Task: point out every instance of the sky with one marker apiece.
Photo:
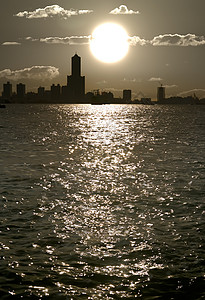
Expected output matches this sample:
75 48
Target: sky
166 37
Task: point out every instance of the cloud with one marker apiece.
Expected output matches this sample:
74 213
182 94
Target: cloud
35 72
159 80
80 40
29 38
199 92
155 79
101 82
131 80
11 44
110 89
123 10
84 11
136 40
71 40
169 40
178 40
52 11
167 86
160 40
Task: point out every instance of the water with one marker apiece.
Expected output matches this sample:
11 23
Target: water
102 202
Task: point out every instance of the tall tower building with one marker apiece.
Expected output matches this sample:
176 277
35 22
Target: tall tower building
55 91
7 90
21 90
41 91
160 93
127 95
76 66
76 82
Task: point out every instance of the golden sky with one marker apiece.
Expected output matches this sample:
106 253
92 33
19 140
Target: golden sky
166 44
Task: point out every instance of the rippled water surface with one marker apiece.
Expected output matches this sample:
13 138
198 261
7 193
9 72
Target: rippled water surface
102 202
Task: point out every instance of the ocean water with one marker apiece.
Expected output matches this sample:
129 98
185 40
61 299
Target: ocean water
102 202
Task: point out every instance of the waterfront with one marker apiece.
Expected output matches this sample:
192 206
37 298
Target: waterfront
102 202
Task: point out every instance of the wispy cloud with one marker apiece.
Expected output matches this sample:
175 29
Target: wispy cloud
160 80
101 82
199 92
34 72
82 39
84 11
155 79
30 39
170 86
111 89
131 80
160 40
123 10
71 40
178 40
52 11
11 44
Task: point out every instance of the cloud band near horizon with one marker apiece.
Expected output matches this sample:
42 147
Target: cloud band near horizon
34 72
72 40
176 39
160 40
169 39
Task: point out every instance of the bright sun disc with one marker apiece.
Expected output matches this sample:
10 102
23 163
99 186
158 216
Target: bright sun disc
109 43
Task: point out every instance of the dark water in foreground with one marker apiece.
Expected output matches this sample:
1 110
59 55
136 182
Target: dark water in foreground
102 202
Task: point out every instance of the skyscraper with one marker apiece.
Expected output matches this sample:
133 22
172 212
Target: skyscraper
41 91
76 65
127 95
7 90
76 82
21 90
160 93
55 91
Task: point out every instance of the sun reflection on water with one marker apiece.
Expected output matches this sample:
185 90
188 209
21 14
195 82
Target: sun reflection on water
100 204
103 214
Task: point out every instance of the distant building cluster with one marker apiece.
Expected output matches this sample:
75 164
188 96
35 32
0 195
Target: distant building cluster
7 91
74 92
161 99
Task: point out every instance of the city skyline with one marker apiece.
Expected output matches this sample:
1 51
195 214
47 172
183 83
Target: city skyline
166 45
74 92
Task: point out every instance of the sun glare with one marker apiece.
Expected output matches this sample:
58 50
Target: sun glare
109 42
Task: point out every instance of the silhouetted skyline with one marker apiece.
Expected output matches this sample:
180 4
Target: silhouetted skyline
167 41
74 92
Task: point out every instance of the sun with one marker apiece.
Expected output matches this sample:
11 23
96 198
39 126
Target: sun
109 42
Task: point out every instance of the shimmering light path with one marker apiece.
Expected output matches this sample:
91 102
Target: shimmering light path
105 202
